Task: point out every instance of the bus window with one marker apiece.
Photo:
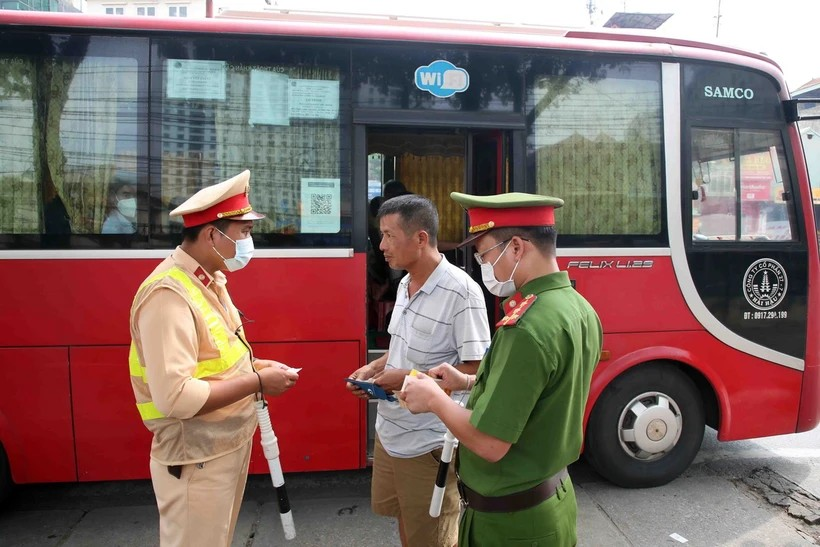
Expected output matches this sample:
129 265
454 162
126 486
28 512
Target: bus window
596 142
740 201
765 215
69 147
714 179
275 111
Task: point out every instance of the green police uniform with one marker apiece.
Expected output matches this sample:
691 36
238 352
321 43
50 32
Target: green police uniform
531 391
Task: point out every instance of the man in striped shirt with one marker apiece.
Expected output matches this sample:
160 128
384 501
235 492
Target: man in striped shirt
439 317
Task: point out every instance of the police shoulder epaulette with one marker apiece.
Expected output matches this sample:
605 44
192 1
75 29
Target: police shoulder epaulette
515 310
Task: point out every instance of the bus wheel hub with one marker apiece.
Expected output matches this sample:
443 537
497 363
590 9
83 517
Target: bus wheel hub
656 430
650 426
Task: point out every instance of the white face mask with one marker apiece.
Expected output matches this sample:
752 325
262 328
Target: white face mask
496 287
243 255
128 208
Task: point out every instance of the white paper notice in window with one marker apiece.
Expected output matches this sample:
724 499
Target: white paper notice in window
318 99
269 98
320 206
195 79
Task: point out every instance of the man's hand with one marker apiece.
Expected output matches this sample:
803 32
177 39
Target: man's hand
420 392
391 379
451 378
276 377
364 373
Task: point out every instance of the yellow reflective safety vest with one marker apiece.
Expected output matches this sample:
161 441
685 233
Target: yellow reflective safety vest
221 355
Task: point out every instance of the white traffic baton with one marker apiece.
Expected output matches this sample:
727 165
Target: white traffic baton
450 443
270 446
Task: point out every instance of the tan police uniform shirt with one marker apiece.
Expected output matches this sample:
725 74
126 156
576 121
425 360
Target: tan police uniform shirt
171 337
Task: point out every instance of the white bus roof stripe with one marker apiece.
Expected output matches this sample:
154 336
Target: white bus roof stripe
81 254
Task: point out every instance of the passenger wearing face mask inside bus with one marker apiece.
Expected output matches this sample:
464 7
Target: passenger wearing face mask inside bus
122 210
523 424
193 373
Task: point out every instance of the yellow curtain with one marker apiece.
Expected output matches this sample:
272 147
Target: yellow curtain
597 145
435 177
608 186
20 193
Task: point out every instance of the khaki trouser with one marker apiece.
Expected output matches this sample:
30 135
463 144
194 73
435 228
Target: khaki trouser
200 507
402 488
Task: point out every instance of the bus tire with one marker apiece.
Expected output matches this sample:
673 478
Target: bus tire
646 427
5 476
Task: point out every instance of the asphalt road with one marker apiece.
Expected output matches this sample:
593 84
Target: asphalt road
747 493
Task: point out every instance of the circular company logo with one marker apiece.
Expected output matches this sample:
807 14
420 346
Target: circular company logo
765 284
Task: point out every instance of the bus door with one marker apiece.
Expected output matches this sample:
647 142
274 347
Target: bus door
432 162
746 242
488 172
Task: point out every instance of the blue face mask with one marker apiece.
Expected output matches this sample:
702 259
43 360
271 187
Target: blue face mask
243 255
128 208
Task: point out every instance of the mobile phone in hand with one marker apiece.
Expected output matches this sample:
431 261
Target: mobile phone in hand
375 391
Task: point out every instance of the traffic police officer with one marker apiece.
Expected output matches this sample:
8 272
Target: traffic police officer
523 423
193 374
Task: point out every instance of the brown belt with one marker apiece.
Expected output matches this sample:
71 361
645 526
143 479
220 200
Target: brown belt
517 501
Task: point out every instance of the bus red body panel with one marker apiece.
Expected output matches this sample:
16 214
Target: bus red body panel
319 425
276 294
631 294
113 444
754 397
647 320
35 406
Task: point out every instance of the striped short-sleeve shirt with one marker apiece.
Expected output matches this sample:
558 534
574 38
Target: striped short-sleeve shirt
445 321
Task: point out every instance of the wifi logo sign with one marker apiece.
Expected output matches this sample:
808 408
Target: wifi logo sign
442 79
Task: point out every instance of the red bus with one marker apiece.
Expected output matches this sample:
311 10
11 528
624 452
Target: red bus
688 221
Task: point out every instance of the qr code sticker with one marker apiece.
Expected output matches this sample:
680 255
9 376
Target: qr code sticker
320 204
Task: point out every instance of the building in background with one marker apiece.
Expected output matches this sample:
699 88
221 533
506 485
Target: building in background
147 8
810 132
38 5
809 90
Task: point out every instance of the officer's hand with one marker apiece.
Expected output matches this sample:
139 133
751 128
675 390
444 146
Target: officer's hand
451 378
391 379
419 393
277 379
364 373
259 364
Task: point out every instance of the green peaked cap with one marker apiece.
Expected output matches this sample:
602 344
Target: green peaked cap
506 210
506 201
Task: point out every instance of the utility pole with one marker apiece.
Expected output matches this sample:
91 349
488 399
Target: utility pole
717 25
591 10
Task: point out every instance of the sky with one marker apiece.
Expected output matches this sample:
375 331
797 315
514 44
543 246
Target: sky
782 29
